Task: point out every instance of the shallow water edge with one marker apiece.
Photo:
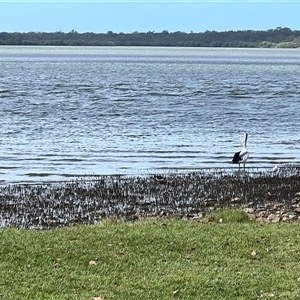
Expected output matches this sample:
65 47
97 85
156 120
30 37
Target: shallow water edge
189 195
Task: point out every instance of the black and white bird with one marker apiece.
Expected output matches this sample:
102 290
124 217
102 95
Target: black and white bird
242 156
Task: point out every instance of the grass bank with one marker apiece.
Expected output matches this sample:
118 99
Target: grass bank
153 259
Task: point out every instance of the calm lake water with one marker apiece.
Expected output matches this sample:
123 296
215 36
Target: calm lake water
71 111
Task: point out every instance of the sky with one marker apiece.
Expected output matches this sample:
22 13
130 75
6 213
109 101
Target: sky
143 16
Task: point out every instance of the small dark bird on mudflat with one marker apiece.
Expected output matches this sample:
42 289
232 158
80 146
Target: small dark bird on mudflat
160 179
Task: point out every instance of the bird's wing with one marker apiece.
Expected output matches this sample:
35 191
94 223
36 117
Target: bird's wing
236 158
244 155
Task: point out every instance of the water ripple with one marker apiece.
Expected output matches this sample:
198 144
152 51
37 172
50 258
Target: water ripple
110 114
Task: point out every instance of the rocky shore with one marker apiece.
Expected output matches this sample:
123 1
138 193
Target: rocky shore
261 193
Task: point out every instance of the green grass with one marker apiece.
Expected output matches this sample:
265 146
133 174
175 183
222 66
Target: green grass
228 215
154 259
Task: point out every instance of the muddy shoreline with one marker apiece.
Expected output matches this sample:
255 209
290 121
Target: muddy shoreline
263 194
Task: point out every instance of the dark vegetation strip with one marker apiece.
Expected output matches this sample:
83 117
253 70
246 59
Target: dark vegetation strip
272 38
84 201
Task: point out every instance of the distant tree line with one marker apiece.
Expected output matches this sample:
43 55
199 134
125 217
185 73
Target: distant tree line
272 38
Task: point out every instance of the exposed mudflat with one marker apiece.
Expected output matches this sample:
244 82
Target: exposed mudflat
263 194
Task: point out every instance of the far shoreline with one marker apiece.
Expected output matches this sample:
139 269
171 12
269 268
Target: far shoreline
280 37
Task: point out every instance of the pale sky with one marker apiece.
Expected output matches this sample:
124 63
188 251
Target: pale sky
142 16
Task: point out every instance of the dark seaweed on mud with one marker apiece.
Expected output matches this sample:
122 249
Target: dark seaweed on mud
89 201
